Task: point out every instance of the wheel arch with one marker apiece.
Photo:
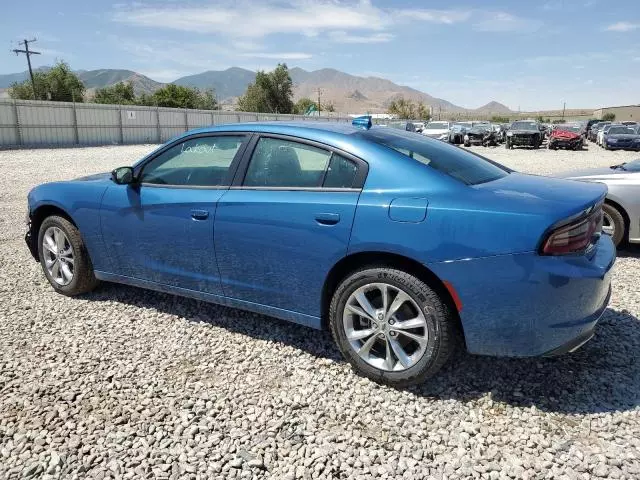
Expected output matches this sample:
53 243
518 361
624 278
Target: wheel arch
357 261
39 215
623 212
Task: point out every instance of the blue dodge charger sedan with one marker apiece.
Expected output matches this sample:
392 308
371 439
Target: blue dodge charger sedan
404 247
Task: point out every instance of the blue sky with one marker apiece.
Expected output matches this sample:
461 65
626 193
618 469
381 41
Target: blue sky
530 54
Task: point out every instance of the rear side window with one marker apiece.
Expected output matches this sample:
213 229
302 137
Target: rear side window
283 163
464 166
341 173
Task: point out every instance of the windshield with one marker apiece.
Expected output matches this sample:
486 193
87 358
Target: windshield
621 130
570 128
462 165
524 126
437 126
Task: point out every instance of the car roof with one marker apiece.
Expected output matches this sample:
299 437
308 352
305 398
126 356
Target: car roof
313 125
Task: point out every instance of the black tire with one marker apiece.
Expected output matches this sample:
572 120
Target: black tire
466 144
83 279
443 335
619 225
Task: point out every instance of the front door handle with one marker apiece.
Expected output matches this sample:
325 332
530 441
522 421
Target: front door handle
327 218
199 214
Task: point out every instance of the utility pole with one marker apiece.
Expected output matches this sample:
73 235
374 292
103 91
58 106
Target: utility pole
319 107
28 53
564 105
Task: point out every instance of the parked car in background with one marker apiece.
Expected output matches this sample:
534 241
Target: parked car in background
567 136
457 131
590 123
480 134
407 126
524 133
622 137
621 210
419 126
629 123
592 135
602 132
384 237
437 130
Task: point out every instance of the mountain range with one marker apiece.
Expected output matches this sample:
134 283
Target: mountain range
347 93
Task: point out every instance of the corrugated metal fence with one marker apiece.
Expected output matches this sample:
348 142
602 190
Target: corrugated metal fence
37 123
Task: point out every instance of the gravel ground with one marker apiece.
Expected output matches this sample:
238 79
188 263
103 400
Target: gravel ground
126 383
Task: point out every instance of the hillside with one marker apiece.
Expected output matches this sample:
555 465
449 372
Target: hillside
228 83
101 78
348 93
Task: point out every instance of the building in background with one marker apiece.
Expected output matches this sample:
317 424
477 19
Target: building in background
623 113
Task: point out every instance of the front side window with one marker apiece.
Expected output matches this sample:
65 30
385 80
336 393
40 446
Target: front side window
202 161
466 167
282 163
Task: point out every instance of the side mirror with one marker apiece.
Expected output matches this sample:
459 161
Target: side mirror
122 175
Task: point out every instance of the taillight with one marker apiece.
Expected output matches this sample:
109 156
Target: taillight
574 237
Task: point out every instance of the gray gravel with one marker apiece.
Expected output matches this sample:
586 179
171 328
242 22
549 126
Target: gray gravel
126 383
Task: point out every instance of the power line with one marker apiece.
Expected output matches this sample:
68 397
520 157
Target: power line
28 54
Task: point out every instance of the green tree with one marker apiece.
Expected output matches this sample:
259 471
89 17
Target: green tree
58 84
559 120
609 117
120 94
422 112
404 108
272 92
303 105
329 107
178 96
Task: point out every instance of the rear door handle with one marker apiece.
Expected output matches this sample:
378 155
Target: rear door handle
327 218
199 214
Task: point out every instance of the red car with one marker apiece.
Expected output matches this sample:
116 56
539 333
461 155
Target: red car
566 136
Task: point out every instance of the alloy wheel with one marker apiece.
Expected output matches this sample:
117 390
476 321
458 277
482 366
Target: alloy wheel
385 327
58 256
608 225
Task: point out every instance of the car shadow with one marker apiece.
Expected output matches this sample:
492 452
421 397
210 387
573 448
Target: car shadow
602 376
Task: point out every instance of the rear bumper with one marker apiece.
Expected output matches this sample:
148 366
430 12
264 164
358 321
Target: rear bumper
530 305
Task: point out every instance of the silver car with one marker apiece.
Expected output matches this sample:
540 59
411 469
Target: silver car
621 212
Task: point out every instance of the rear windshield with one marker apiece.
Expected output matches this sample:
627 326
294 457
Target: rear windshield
460 164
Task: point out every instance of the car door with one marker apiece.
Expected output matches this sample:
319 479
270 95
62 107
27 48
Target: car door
160 229
286 221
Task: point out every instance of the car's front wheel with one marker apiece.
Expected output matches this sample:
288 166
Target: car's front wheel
391 326
64 257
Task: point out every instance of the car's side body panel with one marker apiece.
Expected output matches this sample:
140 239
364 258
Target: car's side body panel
80 200
162 234
277 247
565 297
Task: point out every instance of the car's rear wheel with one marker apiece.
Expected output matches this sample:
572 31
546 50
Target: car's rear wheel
64 257
613 223
391 326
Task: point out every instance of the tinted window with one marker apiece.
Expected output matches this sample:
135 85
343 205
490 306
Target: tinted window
283 163
453 161
202 161
341 173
